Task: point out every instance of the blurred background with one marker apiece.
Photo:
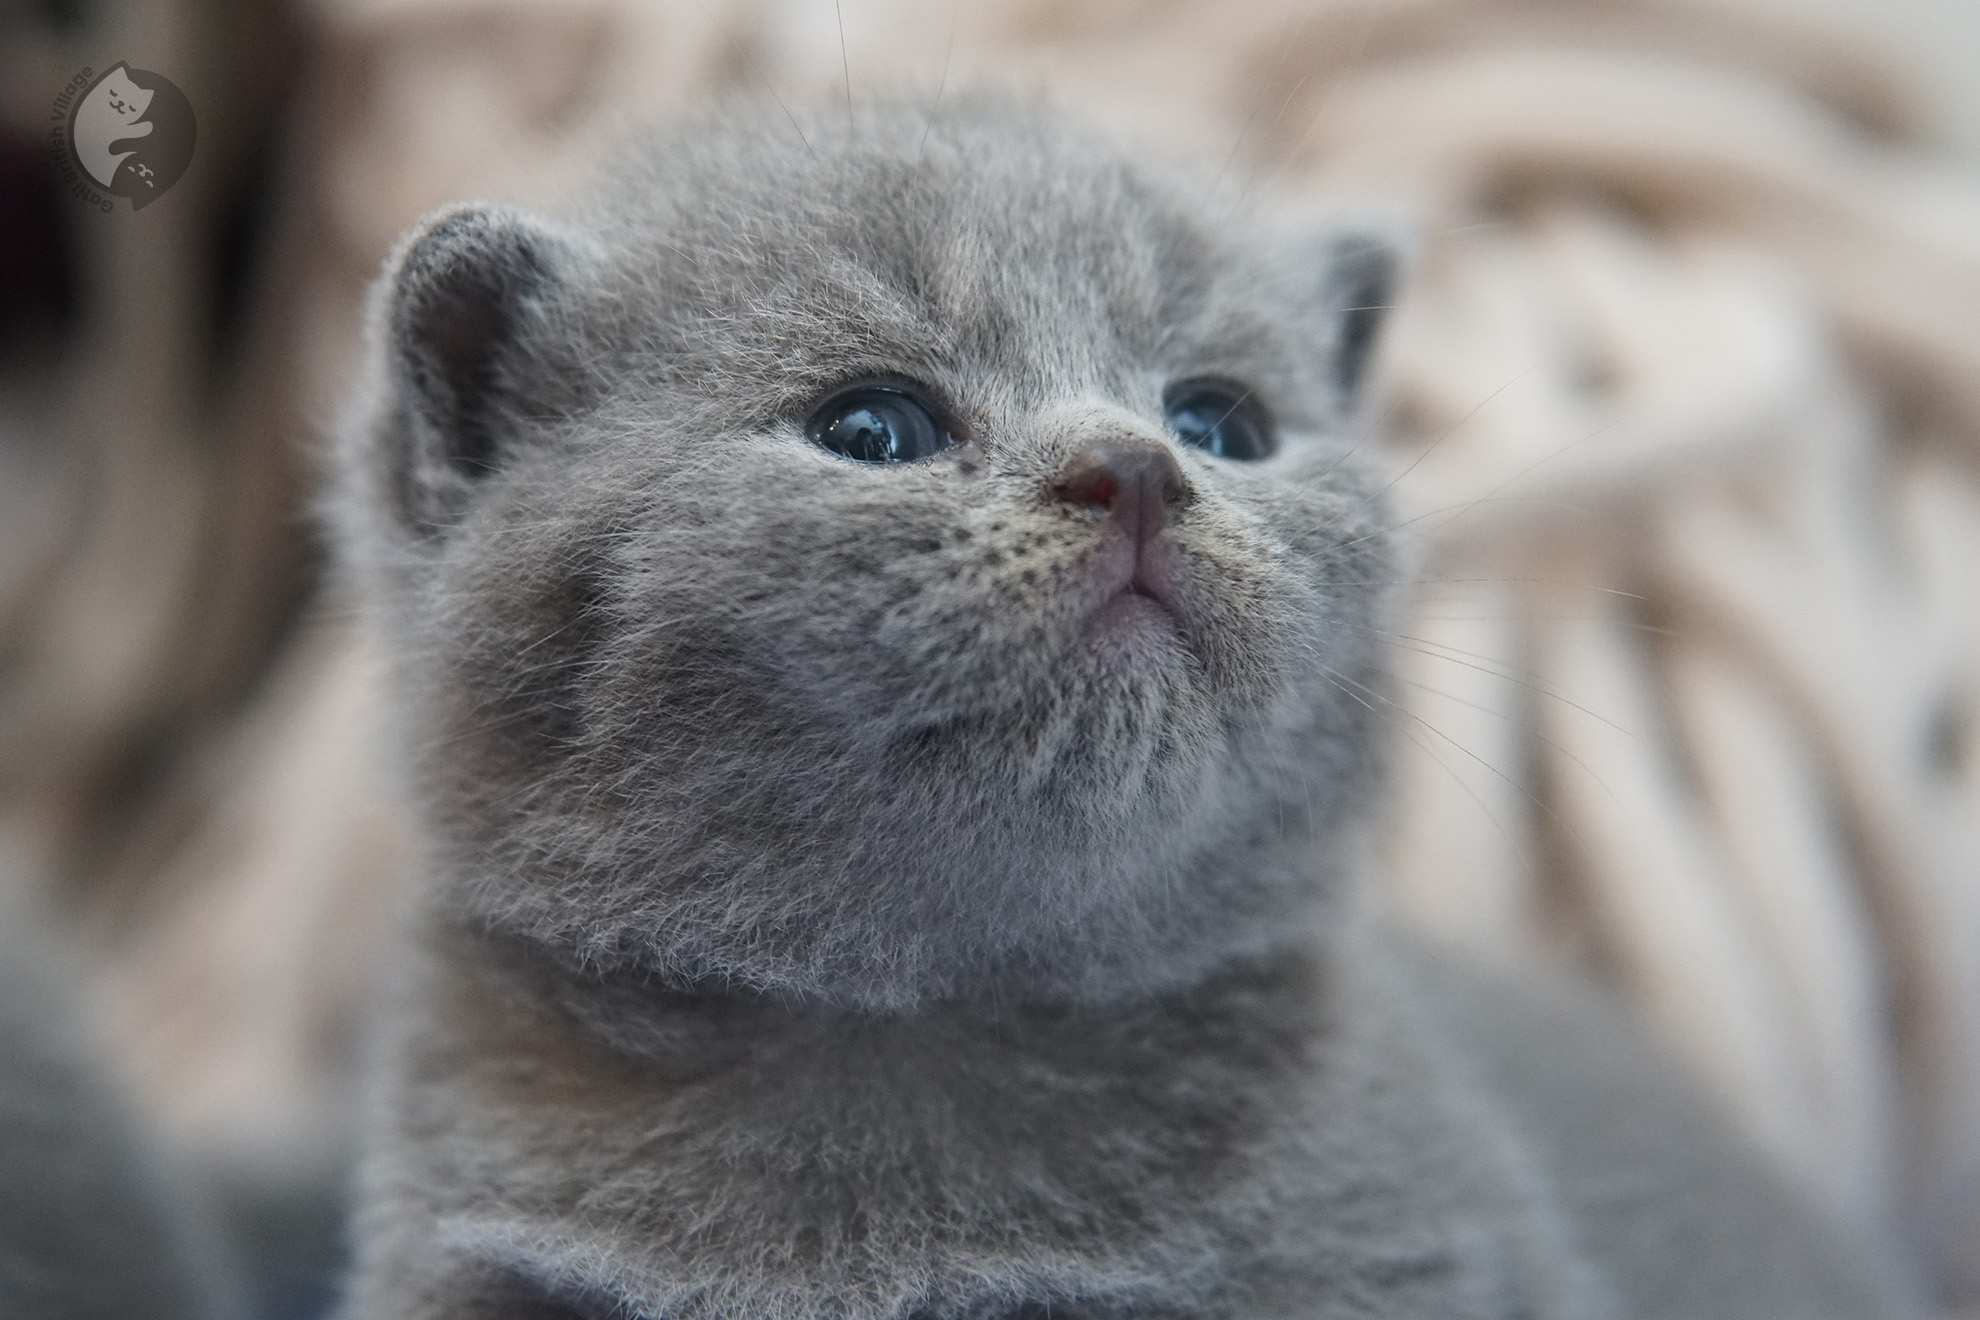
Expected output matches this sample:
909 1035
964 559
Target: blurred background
1684 396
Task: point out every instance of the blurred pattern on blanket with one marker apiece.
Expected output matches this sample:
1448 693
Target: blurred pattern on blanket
1684 398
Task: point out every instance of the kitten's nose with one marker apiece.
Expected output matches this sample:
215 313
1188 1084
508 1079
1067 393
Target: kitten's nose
1137 481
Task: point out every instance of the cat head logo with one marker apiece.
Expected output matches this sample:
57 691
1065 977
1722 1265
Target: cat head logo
131 132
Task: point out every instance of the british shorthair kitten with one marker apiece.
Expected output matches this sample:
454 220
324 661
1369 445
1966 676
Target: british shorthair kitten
886 631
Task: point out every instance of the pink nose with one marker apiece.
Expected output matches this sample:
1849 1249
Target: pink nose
1137 481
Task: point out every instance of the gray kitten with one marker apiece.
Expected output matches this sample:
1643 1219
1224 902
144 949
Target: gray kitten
887 621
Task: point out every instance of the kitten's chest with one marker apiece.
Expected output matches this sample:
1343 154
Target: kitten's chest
1244 1153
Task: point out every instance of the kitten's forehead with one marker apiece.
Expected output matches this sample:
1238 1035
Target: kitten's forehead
940 244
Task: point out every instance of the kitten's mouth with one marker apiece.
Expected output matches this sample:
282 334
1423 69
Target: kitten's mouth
1134 585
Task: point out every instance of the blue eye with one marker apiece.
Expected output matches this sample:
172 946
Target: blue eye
1219 418
879 426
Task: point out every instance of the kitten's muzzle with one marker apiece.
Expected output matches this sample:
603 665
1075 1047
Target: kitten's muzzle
1143 490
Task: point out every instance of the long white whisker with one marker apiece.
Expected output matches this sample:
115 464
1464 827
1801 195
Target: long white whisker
845 63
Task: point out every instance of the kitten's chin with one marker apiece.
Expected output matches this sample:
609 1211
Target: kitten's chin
1133 627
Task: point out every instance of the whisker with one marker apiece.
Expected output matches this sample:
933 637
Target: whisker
1371 428
1465 229
1254 174
1515 721
1374 425
1341 681
1627 625
1459 510
845 63
1527 679
1355 53
1428 580
1251 120
1525 792
749 59
1449 431
1530 467
942 86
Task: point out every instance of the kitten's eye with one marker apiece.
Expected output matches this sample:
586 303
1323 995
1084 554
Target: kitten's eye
1218 417
879 426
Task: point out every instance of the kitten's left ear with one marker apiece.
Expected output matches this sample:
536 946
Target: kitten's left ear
1361 268
468 353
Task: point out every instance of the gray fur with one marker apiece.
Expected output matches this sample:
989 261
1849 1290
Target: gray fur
821 922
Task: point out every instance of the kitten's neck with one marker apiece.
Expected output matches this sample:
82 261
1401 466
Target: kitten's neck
686 1026
1274 895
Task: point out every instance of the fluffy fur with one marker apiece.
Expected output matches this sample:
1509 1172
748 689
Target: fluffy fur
826 918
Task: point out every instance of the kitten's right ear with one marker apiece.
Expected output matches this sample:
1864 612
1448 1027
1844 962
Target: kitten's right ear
461 324
1361 266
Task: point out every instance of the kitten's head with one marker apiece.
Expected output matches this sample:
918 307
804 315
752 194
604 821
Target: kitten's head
918 559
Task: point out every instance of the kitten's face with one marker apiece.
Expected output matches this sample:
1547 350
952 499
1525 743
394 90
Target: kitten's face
1060 704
